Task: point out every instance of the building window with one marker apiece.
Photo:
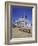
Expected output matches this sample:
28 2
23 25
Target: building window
25 23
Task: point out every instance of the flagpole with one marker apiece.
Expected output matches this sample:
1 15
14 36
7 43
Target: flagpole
24 19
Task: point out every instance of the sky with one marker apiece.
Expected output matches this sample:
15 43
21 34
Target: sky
18 11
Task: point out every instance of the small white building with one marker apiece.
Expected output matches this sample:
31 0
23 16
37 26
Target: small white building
23 22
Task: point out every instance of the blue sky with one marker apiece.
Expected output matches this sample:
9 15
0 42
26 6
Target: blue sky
18 11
